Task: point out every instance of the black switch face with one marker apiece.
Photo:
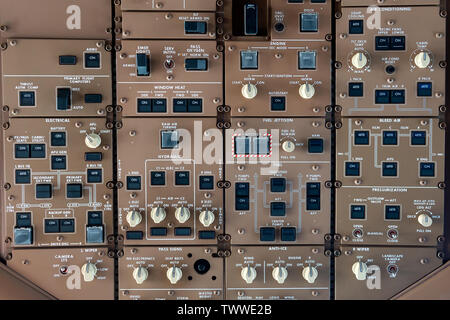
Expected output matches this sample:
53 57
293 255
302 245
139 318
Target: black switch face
315 145
94 218
389 169
158 232
74 190
142 65
427 169
169 139
418 138
94 176
67 225
159 105
67 60
181 178
27 99
93 156
43 191
63 99
92 60
356 89
196 64
195 27
135 235
361 137
312 203
424 89
382 97
288 234
144 105
23 176
23 219
392 212
390 138
93 98
382 43
179 105
242 189
356 27
206 183
267 234
194 105
309 22
206 235
133 183
158 178
352 169
250 19
397 96
313 189
59 162
358 212
58 139
277 209
249 60
51 226
22 151
182 232
37 151
277 185
277 103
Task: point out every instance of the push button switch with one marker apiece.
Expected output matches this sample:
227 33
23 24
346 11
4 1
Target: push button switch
58 139
352 169
74 190
389 169
58 163
242 196
51 226
169 139
181 178
92 60
94 234
288 234
23 219
22 151
277 209
307 60
37 151
309 22
206 182
144 105
93 98
133 183
392 212
95 218
67 225
398 96
249 60
390 138
277 103
355 89
179 105
267 234
315 145
357 212
94 176
312 203
356 27
23 176
382 97
27 99
361 138
23 236
427 169
194 105
159 105
43 191
418 138
67 60
157 178
277 185
424 89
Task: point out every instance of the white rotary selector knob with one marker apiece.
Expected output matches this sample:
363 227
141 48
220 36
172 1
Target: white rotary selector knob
425 220
134 217
306 91
93 140
88 270
422 59
158 214
288 146
359 60
174 274
249 91
280 274
206 218
140 274
310 274
360 270
248 274
182 214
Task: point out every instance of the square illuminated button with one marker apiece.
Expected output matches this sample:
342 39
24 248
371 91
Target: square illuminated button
309 22
307 60
169 139
249 60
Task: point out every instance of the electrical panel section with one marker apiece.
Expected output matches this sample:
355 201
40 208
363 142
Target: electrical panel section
224 149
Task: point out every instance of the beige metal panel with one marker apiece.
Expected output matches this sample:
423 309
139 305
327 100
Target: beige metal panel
33 65
140 153
148 25
264 260
178 5
394 22
21 197
192 285
432 287
348 3
170 82
83 19
297 166
15 287
59 272
277 75
406 266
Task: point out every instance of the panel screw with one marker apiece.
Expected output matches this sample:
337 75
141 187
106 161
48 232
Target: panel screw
424 261
314 293
7 186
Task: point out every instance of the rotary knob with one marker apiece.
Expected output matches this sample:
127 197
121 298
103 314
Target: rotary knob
182 214
425 220
134 217
93 140
249 91
306 91
206 218
422 60
248 274
158 214
89 270
359 60
310 274
360 270
288 146
174 274
140 274
280 274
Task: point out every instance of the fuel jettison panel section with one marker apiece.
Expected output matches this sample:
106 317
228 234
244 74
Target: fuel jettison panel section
378 273
192 211
391 172
69 274
56 78
57 171
180 78
170 273
386 65
285 273
278 177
